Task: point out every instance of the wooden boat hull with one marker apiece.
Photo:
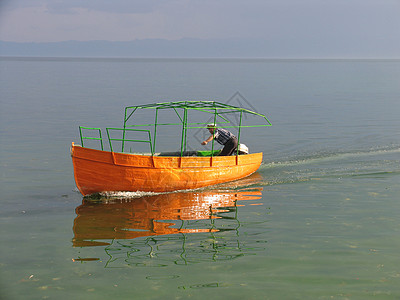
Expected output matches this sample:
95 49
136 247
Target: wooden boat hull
98 171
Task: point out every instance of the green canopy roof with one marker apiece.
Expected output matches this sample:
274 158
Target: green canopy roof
213 107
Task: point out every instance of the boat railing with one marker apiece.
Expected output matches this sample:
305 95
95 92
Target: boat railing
123 140
90 137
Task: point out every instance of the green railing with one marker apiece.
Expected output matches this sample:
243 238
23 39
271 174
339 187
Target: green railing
91 138
110 140
123 139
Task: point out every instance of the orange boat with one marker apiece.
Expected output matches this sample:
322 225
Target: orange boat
97 170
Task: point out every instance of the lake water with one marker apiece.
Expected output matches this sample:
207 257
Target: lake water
319 220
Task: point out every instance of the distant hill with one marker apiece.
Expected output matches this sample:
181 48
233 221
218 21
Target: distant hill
140 48
194 48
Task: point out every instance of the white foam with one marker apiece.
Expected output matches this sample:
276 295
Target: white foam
127 195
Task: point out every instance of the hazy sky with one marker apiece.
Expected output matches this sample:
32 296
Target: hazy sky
367 21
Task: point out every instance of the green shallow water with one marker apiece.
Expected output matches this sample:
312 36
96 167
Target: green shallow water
319 220
305 240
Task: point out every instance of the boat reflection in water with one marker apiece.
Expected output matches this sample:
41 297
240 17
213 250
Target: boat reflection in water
162 223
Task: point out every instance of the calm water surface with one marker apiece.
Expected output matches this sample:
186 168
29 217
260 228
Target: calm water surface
319 220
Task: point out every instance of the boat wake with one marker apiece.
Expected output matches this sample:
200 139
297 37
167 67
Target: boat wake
123 195
332 165
303 159
249 184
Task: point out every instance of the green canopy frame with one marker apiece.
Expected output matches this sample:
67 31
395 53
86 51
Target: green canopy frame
181 108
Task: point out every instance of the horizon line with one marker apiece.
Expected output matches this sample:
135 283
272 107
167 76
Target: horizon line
30 57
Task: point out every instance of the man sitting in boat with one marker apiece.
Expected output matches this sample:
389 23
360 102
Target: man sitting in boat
223 137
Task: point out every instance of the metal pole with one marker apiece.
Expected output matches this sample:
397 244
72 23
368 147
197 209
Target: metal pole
80 133
186 117
155 133
183 130
240 128
215 127
123 134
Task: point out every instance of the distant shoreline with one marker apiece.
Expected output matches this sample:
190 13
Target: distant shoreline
186 59
200 49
